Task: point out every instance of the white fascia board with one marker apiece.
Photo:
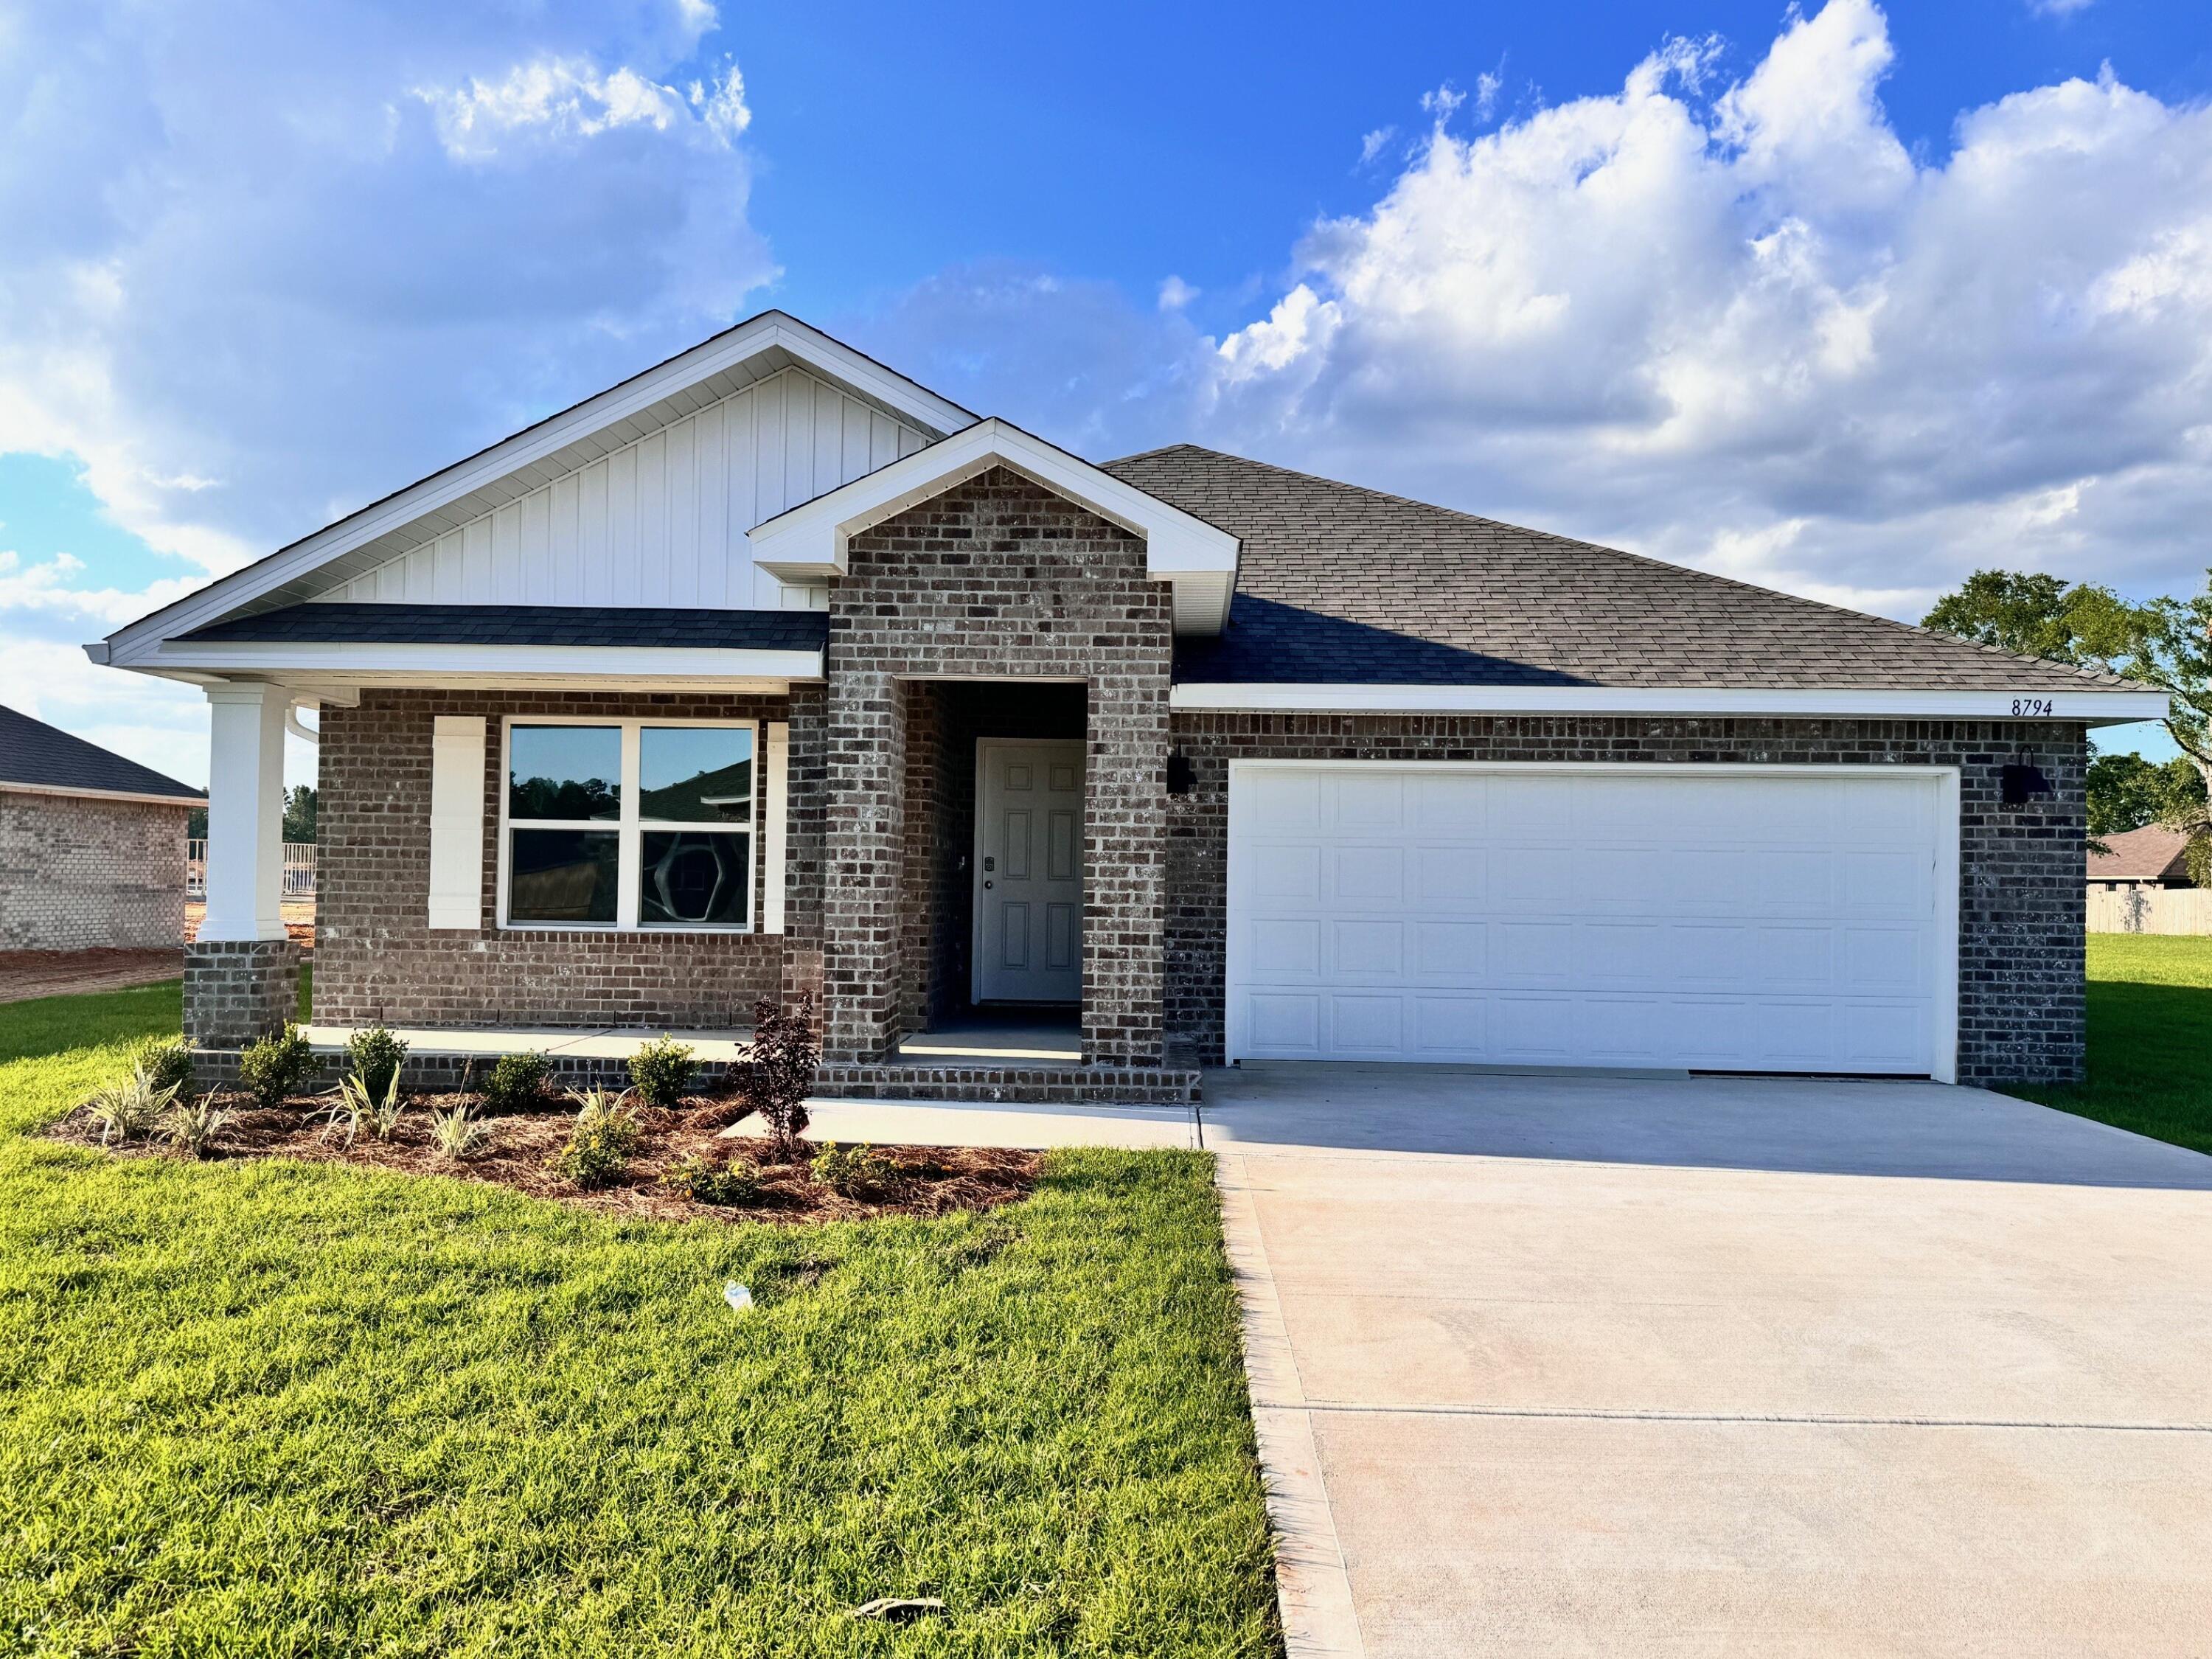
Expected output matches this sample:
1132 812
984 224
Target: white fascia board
810 541
2089 705
128 645
183 802
343 662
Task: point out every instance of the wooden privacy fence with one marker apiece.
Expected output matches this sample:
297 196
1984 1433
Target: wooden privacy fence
299 869
2150 910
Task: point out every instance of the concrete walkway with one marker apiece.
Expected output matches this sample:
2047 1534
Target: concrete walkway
1561 1365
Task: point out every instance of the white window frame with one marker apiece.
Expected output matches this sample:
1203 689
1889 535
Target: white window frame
629 828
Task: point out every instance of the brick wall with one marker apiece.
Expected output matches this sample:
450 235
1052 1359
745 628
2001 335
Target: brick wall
996 577
78 873
2020 901
376 957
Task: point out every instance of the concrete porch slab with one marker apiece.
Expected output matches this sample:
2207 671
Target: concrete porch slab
931 1123
601 1042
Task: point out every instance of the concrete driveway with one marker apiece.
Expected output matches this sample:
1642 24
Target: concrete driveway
1570 1365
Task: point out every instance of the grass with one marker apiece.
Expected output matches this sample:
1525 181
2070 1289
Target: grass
2150 1039
283 1409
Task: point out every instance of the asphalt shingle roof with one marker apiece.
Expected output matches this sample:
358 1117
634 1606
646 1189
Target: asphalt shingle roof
2153 853
1340 585
523 624
46 758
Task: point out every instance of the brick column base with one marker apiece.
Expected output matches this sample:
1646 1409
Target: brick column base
239 991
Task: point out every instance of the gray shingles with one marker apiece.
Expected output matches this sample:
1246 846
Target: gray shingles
523 624
46 758
1340 585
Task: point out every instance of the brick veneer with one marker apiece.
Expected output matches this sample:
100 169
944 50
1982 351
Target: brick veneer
376 957
78 872
2022 893
996 577
239 991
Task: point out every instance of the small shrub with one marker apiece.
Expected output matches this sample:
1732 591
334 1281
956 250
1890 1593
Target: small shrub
166 1060
355 1106
852 1171
131 1109
661 1071
600 1145
375 1055
705 1181
191 1126
275 1066
777 1073
517 1083
458 1135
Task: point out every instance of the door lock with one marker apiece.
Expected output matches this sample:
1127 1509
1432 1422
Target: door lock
988 886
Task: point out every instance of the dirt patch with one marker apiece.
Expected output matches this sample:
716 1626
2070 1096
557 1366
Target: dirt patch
27 974
922 1180
299 920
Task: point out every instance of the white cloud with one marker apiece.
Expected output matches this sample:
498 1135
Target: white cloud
2058 8
1371 145
265 262
1176 294
1742 326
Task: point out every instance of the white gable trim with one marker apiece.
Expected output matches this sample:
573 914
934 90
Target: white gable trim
2090 705
810 542
362 661
770 331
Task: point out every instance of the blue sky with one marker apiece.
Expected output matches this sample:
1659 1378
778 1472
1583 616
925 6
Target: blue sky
1847 300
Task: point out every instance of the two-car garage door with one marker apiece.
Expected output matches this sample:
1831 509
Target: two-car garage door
1726 919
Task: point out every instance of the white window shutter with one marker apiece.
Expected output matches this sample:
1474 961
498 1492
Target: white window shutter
775 771
457 775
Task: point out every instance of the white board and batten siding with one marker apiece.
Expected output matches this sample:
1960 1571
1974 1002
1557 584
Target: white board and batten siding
1724 919
659 521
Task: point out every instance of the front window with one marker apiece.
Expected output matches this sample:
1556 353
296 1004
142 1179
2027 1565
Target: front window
635 824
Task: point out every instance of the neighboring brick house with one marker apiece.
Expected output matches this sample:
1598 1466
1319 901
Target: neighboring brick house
769 672
2153 856
92 846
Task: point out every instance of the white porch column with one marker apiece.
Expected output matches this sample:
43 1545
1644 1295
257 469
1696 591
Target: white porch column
245 812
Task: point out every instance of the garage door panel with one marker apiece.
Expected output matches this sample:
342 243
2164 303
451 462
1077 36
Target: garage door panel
1765 921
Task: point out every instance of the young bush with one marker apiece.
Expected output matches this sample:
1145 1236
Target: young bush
705 1181
275 1066
130 1109
661 1071
458 1135
517 1083
777 1073
166 1060
375 1055
852 1171
191 1126
600 1145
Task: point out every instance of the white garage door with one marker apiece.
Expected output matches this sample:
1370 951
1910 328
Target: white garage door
1730 918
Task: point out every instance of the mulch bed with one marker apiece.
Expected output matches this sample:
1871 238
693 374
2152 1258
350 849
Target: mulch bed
926 1180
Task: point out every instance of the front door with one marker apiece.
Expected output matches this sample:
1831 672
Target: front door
1029 869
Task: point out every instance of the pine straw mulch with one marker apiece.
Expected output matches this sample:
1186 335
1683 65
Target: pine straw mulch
925 1180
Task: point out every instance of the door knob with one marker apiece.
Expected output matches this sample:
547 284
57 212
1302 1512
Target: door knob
988 886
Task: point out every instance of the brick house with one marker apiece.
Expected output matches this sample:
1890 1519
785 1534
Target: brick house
770 671
92 846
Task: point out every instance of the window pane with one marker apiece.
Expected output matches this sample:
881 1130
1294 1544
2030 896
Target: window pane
699 879
696 775
562 875
564 772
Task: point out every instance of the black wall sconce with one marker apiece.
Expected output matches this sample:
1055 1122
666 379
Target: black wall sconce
1182 776
2021 783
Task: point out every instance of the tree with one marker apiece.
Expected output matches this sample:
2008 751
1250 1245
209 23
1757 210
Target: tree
2162 642
300 805
2127 791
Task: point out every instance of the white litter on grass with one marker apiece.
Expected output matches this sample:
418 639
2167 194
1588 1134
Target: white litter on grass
737 1295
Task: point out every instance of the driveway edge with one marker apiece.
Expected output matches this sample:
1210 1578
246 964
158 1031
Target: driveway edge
1312 1587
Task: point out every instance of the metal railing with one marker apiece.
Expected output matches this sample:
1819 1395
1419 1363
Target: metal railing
299 869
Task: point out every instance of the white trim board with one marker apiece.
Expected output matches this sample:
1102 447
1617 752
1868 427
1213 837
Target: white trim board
810 541
772 331
2089 705
1944 988
348 661
183 802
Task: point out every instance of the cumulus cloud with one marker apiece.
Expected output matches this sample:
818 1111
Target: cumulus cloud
1742 326
263 262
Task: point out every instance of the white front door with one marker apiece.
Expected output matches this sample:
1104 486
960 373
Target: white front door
1029 869
1726 919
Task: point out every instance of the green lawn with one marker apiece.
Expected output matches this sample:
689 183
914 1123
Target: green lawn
286 1409
2150 1039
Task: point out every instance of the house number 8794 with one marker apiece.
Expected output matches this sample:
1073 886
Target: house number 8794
2032 706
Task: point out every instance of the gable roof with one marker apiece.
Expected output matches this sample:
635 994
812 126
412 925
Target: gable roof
37 756
753 350
2153 853
1343 585
630 626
